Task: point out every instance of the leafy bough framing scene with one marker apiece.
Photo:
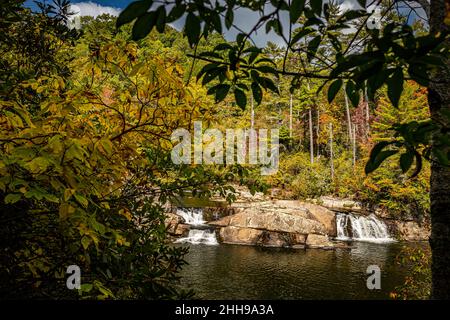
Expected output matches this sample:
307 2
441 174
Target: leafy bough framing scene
358 91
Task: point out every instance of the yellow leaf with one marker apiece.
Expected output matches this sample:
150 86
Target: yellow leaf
68 193
125 213
65 210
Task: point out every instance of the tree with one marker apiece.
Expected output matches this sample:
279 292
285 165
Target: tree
85 170
382 57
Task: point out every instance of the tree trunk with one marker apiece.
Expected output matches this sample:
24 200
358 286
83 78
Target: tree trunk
349 119
252 114
290 117
311 134
311 138
331 152
366 105
318 131
439 99
354 146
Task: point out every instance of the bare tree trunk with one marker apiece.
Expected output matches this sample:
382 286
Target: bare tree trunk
331 152
354 145
290 117
311 138
349 119
318 131
252 114
366 100
439 100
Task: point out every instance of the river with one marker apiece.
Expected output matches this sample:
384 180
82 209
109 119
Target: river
247 272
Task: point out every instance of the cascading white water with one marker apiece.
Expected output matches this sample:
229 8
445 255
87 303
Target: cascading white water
361 228
197 236
194 217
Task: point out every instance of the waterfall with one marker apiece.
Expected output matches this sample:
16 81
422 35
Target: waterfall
192 216
361 228
197 234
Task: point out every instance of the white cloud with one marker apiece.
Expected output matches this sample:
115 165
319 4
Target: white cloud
93 9
349 5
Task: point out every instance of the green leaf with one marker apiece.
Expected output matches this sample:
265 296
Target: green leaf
376 81
377 148
136 69
362 3
206 68
240 38
406 160
85 242
12 198
212 74
215 20
221 91
229 17
257 92
269 25
419 73
352 93
303 32
192 28
161 19
278 27
132 11
143 25
418 165
351 15
86 287
296 9
82 200
51 197
267 69
265 60
267 83
241 98
312 47
222 47
377 156
176 12
372 165
395 86
316 6
334 89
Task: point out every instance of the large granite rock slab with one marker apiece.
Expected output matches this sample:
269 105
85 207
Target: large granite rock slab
250 236
278 220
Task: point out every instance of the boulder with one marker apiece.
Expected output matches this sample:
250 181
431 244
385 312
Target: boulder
172 221
278 220
324 216
318 241
182 230
281 239
225 221
337 204
239 235
250 236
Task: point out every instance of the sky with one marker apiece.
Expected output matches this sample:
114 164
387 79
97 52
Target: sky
244 18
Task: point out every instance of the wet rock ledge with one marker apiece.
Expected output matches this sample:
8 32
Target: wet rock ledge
259 221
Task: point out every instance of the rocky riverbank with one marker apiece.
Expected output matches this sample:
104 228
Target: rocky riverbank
261 221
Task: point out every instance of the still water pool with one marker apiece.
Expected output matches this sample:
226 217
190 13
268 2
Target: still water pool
246 272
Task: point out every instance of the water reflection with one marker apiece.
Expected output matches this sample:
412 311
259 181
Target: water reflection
245 272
